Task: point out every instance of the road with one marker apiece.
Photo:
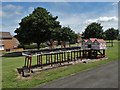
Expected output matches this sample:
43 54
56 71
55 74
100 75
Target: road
105 76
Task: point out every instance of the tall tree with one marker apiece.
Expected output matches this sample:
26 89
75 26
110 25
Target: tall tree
65 34
37 27
111 34
93 30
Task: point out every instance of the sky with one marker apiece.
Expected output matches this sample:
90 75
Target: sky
76 15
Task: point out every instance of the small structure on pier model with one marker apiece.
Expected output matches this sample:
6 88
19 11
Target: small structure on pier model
93 43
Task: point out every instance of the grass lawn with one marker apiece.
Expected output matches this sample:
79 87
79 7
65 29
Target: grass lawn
11 79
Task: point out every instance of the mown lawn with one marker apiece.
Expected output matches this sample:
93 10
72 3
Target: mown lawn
11 79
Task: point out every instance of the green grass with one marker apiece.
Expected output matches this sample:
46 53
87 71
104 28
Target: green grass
10 75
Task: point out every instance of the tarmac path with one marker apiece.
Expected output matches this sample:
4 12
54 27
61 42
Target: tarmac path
105 76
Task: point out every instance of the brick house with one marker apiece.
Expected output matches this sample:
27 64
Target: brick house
7 41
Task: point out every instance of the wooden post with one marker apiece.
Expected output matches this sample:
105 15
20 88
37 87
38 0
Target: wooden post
83 54
89 54
41 61
25 61
54 57
60 57
77 54
74 56
64 56
68 57
57 57
71 55
104 53
51 60
46 59
37 60
96 53
28 61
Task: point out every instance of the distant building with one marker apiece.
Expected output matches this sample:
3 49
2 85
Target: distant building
7 41
93 43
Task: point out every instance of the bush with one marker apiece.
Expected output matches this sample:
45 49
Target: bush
43 45
28 46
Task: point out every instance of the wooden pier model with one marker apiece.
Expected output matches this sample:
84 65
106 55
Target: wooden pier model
90 49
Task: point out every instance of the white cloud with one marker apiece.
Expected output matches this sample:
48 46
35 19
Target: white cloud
103 19
11 15
11 10
74 21
30 9
12 7
115 3
106 22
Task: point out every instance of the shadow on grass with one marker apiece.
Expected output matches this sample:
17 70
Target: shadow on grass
12 54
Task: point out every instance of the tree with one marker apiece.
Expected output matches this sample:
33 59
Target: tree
93 30
37 27
119 37
111 34
117 33
65 34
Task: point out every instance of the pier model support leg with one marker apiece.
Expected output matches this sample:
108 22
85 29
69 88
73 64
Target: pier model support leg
68 56
28 62
83 53
64 56
60 58
47 59
51 60
57 57
41 61
103 53
71 55
80 55
54 58
25 61
74 56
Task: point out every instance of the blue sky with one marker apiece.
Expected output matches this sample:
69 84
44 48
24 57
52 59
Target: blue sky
76 15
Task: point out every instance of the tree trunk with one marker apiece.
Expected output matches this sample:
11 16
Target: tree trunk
69 44
61 44
38 46
51 44
64 44
112 43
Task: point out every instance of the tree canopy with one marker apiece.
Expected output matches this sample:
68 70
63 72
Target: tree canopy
41 26
65 34
37 27
93 30
111 34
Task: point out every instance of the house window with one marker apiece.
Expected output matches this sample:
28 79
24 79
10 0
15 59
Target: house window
89 45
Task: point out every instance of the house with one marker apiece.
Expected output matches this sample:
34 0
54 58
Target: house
8 42
93 43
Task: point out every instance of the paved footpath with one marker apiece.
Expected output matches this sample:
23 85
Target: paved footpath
105 76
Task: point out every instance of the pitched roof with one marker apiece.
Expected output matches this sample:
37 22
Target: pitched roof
15 41
93 39
5 35
86 40
100 40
